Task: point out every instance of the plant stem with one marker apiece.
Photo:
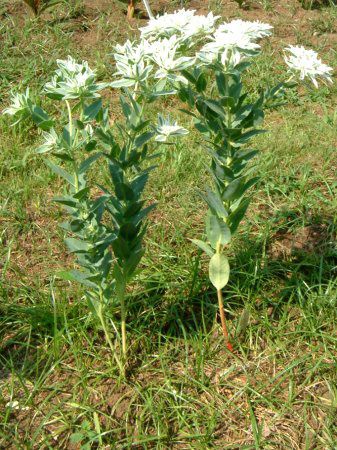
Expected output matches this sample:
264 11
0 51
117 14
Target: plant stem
131 9
223 320
70 120
148 9
107 337
123 319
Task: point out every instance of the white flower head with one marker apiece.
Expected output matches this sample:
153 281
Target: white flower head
166 57
133 52
73 80
20 105
253 30
200 26
230 47
167 24
307 63
183 23
51 141
234 40
132 63
167 128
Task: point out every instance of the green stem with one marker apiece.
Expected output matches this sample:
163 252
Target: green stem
123 325
107 337
70 120
222 312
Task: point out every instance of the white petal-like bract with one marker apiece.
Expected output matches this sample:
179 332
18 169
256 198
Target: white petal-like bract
307 64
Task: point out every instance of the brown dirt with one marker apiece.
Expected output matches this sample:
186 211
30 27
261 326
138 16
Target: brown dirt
309 239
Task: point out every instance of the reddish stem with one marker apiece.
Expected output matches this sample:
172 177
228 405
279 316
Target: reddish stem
223 321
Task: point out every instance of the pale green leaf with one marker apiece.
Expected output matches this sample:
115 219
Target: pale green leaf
219 270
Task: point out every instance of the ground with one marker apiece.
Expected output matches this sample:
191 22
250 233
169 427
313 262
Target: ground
59 386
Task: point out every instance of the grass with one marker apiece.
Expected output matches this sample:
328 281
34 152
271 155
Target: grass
183 390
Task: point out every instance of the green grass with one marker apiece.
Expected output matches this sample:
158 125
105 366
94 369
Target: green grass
183 389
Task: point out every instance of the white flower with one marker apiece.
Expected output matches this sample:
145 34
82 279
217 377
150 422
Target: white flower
183 23
73 80
166 129
131 73
234 39
20 105
133 52
167 24
164 55
230 46
253 30
132 63
200 26
308 64
51 141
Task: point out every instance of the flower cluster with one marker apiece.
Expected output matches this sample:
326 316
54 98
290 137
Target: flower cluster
307 63
167 42
134 62
167 128
183 23
20 106
73 80
233 41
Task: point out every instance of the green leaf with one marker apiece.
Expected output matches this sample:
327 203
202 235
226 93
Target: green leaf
121 248
236 216
132 262
61 172
66 200
204 246
124 192
201 83
76 245
90 112
63 156
233 190
217 231
128 231
189 76
41 118
216 107
219 270
244 138
215 203
87 162
78 124
143 138
76 275
122 83
243 322
82 193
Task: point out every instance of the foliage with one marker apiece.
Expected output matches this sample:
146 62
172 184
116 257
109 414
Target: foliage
88 133
39 6
209 81
184 390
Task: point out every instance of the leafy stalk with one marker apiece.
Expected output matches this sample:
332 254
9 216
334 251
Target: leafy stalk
228 121
105 232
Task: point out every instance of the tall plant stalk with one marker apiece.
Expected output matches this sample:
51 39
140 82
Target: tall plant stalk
104 232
